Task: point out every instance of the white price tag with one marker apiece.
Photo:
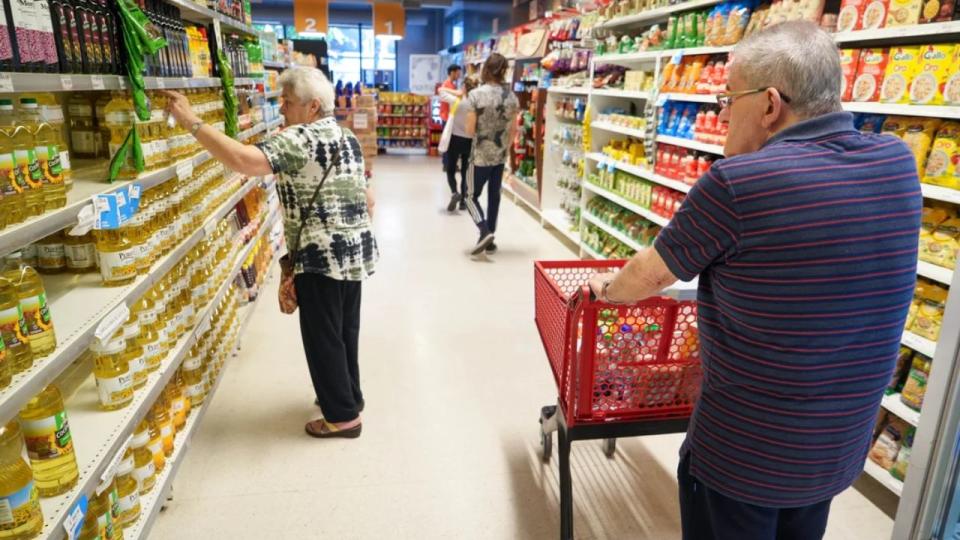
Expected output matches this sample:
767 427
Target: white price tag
66 82
6 82
122 82
211 226
161 83
86 219
112 322
97 82
111 469
184 82
73 521
185 169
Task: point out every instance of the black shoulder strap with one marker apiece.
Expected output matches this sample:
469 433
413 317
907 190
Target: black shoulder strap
335 162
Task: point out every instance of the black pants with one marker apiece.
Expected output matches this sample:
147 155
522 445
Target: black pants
476 179
330 326
708 515
459 150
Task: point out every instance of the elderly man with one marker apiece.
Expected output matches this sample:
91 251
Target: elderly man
805 241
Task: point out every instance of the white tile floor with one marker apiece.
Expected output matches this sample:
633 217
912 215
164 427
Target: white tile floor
454 376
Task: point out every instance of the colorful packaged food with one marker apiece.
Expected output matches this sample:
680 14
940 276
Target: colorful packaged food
903 12
943 163
937 11
928 83
919 137
870 70
930 220
901 68
851 15
875 14
899 469
929 317
716 24
887 446
951 89
809 10
916 385
945 243
900 370
737 22
849 58
895 125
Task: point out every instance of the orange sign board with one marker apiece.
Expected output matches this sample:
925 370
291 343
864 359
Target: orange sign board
311 16
389 19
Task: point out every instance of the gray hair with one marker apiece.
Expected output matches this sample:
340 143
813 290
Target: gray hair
798 59
308 84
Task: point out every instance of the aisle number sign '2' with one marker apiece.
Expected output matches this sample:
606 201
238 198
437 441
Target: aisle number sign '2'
311 16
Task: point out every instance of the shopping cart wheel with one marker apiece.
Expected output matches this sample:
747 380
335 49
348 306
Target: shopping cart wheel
547 427
546 441
609 447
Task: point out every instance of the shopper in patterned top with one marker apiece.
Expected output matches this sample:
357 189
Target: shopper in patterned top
491 111
805 241
337 248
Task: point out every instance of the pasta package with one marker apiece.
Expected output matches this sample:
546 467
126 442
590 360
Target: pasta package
930 220
849 59
929 317
895 125
943 164
870 70
951 89
945 243
887 446
851 15
934 68
919 137
902 66
904 12
875 14
916 386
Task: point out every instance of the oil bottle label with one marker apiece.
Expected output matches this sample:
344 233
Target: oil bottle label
166 433
129 503
80 110
10 182
138 367
177 406
13 327
148 316
20 507
156 447
47 438
195 391
81 256
145 473
131 330
115 390
36 313
153 354
51 256
29 167
118 265
192 363
65 159
105 522
140 439
50 168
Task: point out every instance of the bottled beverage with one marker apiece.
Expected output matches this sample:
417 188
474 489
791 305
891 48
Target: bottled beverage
19 496
14 188
47 151
90 529
51 254
112 373
157 294
49 442
67 36
119 116
81 253
133 353
33 303
91 53
117 255
145 470
178 404
128 491
102 507
13 328
193 379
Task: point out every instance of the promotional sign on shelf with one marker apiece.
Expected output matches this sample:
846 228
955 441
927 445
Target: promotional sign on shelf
424 73
311 16
389 20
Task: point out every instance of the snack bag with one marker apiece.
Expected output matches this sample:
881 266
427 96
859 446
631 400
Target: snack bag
887 446
896 126
916 386
904 12
928 83
849 59
736 23
930 313
851 15
943 164
900 370
919 137
899 469
870 70
902 66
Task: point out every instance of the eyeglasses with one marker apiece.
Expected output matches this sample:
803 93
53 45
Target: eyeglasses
725 99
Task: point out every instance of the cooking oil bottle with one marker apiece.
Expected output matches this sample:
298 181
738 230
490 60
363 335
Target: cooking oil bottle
158 294
51 112
13 328
47 152
33 303
133 353
51 254
101 507
85 140
22 518
119 118
156 441
12 187
161 418
112 373
81 253
91 528
26 160
128 491
179 407
49 442
6 370
117 255
146 312
145 469
192 370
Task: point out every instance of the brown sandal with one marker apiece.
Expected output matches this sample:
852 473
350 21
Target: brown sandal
322 429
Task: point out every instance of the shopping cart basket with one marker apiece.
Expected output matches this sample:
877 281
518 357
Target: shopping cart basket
621 370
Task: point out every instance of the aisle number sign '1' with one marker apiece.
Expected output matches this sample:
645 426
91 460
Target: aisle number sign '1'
389 20
310 16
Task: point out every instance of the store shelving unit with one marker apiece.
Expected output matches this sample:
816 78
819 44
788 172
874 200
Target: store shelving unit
641 172
577 91
692 98
659 14
11 82
195 13
884 477
626 203
692 144
272 94
934 111
612 231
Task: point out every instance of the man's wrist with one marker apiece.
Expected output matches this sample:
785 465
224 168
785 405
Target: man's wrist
605 292
195 126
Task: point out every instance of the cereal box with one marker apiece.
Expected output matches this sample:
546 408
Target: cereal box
849 58
870 70
951 89
874 14
904 12
927 85
851 15
902 66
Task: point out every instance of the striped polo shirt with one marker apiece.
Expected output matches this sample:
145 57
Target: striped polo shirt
807 256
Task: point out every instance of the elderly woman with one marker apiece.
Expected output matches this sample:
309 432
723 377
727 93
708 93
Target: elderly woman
337 248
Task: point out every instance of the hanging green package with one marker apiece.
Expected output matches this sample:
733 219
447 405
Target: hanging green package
229 95
140 36
129 154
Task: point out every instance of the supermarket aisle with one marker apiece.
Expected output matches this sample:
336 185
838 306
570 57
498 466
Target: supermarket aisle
454 376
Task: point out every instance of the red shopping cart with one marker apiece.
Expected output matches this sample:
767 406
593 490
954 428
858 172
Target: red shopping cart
621 370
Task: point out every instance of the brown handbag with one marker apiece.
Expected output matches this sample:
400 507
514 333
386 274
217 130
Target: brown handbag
288 291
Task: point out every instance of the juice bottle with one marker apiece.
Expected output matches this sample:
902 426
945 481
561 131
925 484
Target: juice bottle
12 187
156 441
133 353
51 254
47 151
13 328
147 314
81 253
49 442
26 159
118 118
145 469
33 303
117 255
23 518
112 373
128 491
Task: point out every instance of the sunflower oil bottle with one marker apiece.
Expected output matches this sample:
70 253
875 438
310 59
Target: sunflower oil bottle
90 529
157 294
13 188
85 140
25 158
81 253
19 496
145 469
128 491
49 442
6 370
118 120
13 328
51 254
133 352
47 153
117 255
111 370
147 315
33 303
161 430
160 413
179 404
193 380
101 506
140 232
51 112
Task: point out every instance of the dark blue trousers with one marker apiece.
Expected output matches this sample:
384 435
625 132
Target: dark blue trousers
708 515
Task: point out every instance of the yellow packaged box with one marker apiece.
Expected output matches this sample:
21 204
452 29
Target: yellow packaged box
902 66
951 89
945 243
929 221
903 12
934 69
943 163
919 137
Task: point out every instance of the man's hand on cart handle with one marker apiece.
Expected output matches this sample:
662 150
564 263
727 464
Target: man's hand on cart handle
645 275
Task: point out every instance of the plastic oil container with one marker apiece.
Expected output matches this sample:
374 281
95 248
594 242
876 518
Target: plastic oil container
19 496
112 373
33 304
49 442
13 328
